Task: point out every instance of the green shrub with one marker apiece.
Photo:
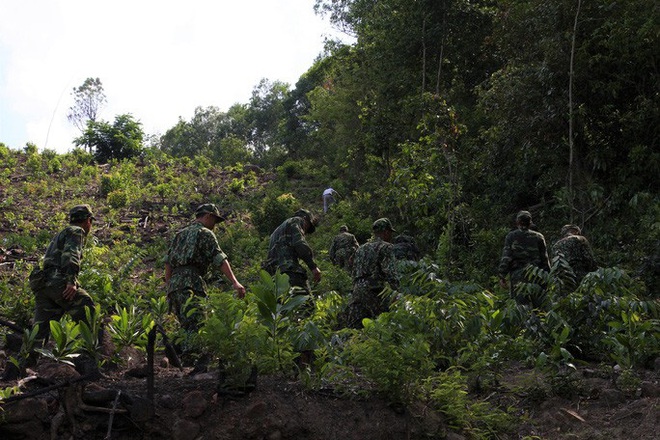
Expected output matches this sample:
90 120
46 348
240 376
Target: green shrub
49 154
395 360
273 211
110 183
54 165
118 198
89 172
234 337
31 149
447 393
34 164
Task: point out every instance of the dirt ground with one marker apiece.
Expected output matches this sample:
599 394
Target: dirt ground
190 407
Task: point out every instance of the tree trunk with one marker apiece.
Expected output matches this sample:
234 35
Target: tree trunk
571 147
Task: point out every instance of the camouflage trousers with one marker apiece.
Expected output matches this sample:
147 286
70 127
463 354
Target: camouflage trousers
343 259
49 305
365 302
525 291
185 305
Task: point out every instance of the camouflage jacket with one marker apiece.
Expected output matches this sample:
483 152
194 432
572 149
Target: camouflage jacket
194 249
523 247
405 248
577 252
61 263
343 247
287 246
374 264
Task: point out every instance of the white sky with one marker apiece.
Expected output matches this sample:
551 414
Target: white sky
157 59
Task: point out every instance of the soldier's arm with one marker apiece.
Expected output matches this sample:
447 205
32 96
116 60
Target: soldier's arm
589 255
72 255
305 253
332 251
388 266
70 262
302 249
543 253
229 273
505 262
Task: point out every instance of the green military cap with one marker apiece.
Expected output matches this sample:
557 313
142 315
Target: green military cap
383 224
567 228
80 213
209 208
309 217
524 215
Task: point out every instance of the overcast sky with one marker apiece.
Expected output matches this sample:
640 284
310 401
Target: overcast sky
156 59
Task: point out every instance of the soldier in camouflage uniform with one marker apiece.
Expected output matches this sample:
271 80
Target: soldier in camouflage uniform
55 285
193 251
522 247
288 246
343 248
575 249
405 248
374 265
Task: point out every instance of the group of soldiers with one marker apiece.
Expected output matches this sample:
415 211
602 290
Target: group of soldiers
372 264
195 249
524 247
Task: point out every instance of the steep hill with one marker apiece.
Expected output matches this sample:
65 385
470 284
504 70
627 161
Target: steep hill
140 204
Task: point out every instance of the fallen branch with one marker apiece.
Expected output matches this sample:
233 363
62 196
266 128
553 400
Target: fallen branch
108 436
48 388
572 414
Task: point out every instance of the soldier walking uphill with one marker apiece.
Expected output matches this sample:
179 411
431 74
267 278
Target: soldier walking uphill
193 251
55 285
343 248
575 249
374 265
288 246
522 247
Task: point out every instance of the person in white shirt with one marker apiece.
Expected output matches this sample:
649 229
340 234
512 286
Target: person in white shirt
329 198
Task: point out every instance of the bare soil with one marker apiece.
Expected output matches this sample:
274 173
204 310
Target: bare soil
191 407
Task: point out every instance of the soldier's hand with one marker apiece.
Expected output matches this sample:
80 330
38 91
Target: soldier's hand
69 292
316 273
240 290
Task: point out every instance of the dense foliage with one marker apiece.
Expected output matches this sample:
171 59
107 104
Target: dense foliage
449 117
445 340
445 116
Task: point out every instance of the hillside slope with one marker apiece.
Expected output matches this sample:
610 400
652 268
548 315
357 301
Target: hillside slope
140 205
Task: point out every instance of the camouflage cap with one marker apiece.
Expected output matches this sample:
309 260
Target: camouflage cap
524 215
208 208
80 213
313 221
403 239
383 224
343 228
567 228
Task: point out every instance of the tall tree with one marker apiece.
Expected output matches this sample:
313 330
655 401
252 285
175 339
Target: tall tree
404 49
266 114
88 98
220 136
